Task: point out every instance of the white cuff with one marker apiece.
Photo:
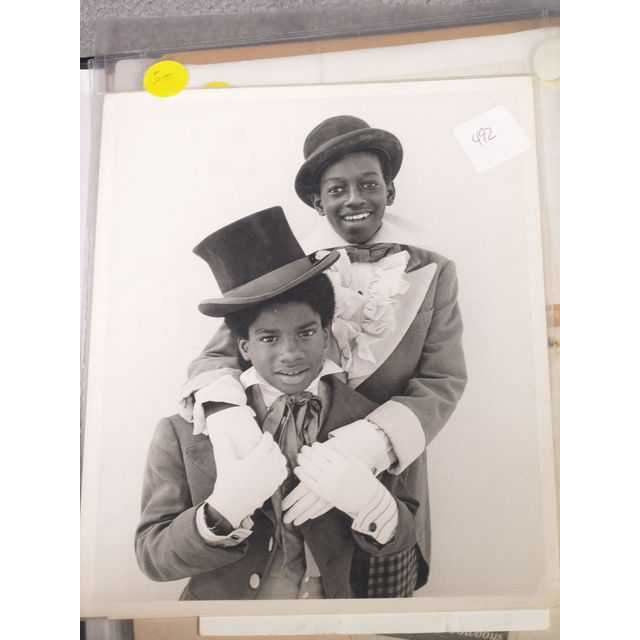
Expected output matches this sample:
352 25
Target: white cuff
403 429
233 539
198 382
227 389
378 445
379 519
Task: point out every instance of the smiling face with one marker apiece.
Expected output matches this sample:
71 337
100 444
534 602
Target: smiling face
353 195
287 345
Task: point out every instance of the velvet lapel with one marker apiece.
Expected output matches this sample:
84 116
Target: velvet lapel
344 406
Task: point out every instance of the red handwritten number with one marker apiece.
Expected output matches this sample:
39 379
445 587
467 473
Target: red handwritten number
483 135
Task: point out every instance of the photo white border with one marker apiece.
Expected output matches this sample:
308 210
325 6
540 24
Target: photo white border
336 608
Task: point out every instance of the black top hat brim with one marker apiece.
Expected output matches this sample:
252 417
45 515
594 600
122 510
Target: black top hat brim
267 286
306 183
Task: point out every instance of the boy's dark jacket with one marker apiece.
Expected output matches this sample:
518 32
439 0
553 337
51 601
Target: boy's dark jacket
179 477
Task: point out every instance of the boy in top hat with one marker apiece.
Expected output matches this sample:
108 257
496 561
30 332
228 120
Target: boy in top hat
212 505
397 332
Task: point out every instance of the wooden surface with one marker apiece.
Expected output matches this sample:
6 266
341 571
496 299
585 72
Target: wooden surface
187 629
288 49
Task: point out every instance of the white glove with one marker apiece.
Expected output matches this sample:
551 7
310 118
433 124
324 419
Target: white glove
346 483
240 427
226 389
302 504
363 441
243 485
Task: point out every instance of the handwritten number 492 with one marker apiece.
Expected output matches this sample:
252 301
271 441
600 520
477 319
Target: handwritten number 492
483 135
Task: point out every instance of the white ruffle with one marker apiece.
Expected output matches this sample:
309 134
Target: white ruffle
367 297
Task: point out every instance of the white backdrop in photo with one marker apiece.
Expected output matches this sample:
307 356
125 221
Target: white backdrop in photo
174 170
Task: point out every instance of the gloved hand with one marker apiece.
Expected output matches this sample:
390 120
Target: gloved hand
363 441
227 389
242 485
344 482
240 427
302 504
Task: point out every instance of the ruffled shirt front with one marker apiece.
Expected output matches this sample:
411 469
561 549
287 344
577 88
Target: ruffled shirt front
367 307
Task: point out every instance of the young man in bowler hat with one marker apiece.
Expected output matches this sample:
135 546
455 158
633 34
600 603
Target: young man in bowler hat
398 328
213 512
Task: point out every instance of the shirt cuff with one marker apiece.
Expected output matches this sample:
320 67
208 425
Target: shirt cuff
199 382
379 518
233 539
403 429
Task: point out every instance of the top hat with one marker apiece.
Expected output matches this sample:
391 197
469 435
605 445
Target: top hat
334 138
254 259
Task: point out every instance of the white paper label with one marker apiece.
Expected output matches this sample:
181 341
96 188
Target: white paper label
491 138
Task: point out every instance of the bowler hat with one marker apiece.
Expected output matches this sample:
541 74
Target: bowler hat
254 259
334 138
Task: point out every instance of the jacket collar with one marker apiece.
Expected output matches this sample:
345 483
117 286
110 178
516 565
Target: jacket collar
345 406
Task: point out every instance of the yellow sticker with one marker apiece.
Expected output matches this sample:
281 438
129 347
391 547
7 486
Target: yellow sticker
217 85
166 78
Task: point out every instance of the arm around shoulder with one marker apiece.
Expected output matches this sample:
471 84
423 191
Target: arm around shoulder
441 375
413 419
221 352
218 361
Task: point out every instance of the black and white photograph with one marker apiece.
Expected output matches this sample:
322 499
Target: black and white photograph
318 356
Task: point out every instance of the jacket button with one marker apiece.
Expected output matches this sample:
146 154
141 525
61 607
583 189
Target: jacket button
373 526
254 581
270 545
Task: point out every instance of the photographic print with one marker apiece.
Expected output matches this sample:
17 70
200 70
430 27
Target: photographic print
317 364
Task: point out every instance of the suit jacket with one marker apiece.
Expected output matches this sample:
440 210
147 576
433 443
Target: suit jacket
180 475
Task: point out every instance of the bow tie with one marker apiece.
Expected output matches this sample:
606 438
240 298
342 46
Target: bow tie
293 421
301 399
372 252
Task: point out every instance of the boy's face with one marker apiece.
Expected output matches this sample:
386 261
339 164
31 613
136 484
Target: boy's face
287 346
353 195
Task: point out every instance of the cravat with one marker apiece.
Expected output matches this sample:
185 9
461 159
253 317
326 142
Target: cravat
293 421
372 252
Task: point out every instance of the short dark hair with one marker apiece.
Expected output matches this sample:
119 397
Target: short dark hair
317 292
